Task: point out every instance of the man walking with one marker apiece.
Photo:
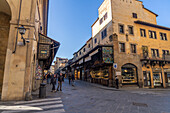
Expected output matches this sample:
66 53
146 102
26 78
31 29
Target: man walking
60 80
117 82
72 78
53 82
48 77
69 78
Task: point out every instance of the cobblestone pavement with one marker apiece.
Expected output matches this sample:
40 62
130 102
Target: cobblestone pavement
89 98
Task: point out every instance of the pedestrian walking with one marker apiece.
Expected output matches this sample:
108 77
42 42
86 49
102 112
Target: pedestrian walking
60 80
117 82
53 82
69 78
90 78
72 79
48 78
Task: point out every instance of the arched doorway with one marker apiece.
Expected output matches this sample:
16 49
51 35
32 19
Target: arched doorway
129 74
5 17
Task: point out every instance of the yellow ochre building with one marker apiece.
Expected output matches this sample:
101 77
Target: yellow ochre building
126 42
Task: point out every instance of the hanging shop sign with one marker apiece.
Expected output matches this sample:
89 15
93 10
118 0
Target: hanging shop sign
107 53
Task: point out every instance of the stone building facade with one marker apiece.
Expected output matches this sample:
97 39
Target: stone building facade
18 60
140 46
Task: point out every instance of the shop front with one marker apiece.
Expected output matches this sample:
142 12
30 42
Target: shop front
147 78
102 65
129 74
101 75
157 77
167 77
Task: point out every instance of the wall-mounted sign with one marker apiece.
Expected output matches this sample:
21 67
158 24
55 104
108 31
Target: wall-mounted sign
107 53
43 51
115 65
118 73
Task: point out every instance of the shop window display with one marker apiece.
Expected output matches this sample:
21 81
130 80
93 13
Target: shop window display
168 76
129 74
157 79
100 74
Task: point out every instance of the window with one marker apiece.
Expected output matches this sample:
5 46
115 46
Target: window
104 33
152 34
95 40
89 46
142 33
165 52
155 52
163 36
130 30
101 21
121 28
134 15
84 50
105 16
133 48
80 53
122 47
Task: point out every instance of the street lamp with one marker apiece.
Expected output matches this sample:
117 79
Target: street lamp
22 32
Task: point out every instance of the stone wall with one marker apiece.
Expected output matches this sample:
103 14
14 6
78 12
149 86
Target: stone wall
4 33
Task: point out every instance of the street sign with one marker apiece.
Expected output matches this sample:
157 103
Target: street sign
118 73
115 65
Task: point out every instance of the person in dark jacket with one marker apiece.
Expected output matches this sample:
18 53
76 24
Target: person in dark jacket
60 80
72 78
69 77
48 78
117 82
53 82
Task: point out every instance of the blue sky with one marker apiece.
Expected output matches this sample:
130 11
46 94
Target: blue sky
70 21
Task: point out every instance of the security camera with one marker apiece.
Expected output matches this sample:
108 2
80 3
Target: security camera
28 41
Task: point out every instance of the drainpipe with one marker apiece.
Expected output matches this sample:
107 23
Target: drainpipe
17 28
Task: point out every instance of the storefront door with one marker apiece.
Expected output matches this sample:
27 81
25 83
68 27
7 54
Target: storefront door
167 79
157 79
147 78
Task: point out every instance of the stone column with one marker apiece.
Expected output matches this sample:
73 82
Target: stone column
163 77
151 74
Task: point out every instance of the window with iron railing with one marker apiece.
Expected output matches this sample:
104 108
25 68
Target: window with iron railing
155 53
165 52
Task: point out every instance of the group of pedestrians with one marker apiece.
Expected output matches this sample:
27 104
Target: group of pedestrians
53 78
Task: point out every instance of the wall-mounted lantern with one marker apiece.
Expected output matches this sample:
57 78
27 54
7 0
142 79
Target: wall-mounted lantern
22 31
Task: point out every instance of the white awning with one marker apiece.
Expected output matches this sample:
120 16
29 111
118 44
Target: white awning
93 53
88 58
81 61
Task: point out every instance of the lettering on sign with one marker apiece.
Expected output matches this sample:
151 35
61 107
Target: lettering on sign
118 73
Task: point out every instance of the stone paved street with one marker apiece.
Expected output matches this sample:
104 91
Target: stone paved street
88 98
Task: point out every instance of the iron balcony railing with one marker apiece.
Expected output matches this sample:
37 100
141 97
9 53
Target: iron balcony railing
151 57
